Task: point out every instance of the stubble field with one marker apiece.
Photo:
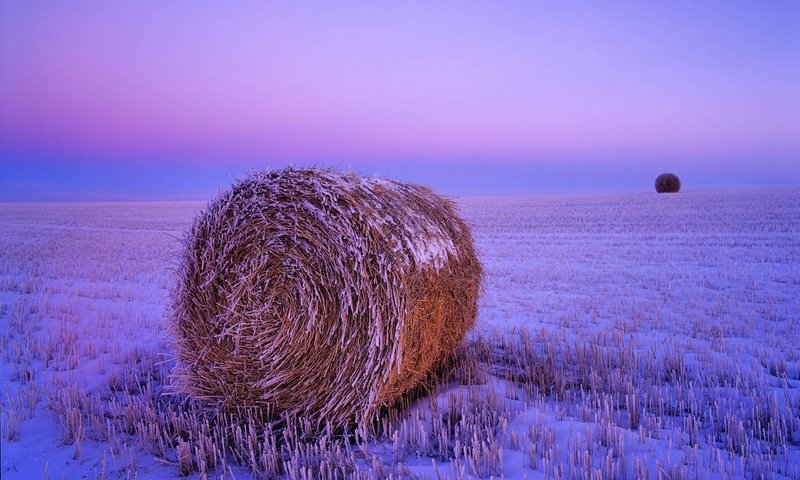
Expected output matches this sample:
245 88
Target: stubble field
619 336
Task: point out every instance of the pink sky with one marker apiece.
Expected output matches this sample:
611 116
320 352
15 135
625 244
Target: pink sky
518 83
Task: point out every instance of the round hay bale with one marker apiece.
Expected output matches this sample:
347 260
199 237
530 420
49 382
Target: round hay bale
325 295
668 183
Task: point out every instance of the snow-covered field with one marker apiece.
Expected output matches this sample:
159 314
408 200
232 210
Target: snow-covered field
620 336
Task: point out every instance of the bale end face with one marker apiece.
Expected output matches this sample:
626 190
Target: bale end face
668 183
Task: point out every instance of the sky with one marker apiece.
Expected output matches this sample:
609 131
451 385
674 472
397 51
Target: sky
175 100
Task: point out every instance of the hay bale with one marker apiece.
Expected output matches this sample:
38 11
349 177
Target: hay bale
309 292
668 183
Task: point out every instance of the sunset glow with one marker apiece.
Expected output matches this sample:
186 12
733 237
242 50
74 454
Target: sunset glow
152 85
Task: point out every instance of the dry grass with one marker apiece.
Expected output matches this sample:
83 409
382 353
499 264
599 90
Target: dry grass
470 431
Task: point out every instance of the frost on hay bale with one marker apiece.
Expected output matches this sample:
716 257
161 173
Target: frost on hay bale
668 183
309 292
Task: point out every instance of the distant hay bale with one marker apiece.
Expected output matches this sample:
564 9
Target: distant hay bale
668 183
325 295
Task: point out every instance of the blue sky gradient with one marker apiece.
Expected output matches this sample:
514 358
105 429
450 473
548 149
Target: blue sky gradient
172 100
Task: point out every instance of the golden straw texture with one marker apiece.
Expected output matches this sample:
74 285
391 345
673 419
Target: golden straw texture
325 295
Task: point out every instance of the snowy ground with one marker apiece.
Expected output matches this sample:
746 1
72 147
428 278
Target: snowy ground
632 335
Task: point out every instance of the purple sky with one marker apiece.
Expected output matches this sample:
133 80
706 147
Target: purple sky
104 100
